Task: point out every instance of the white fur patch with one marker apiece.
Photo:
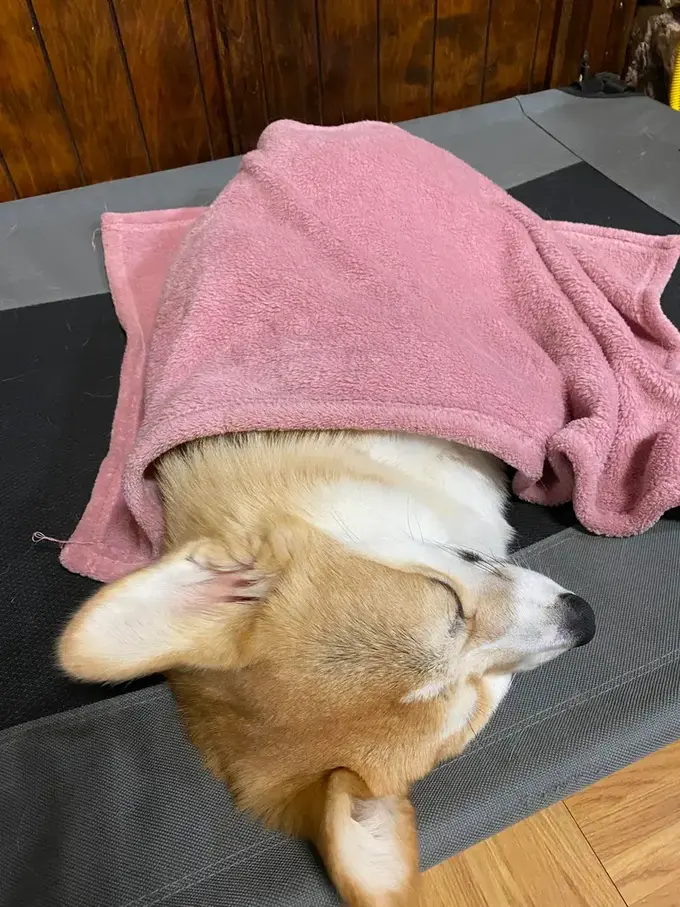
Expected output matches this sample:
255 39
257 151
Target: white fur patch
450 498
384 523
467 484
369 849
460 712
497 686
426 693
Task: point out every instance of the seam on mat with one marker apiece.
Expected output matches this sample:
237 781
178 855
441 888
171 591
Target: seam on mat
198 875
114 704
548 543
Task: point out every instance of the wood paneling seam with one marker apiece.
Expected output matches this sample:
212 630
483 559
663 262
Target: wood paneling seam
10 179
486 47
192 41
258 34
55 88
435 20
255 13
552 49
226 78
377 59
530 75
128 76
319 80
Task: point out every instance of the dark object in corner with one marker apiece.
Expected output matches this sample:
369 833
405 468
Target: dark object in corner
598 85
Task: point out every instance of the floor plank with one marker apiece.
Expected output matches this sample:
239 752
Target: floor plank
626 808
667 896
544 860
632 822
640 871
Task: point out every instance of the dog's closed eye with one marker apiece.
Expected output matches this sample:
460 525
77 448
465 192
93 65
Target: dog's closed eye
460 613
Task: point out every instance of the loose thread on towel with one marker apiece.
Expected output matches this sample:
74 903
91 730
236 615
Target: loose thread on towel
41 537
98 230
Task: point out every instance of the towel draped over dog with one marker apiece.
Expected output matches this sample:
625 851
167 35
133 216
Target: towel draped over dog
357 277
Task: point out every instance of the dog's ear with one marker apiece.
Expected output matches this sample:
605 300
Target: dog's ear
194 607
369 844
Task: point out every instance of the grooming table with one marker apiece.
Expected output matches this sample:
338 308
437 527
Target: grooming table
103 802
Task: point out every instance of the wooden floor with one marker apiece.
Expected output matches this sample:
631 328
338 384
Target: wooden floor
616 844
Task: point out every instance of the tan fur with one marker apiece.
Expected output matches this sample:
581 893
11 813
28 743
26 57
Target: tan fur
298 703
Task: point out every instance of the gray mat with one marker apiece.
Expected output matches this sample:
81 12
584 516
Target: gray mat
50 246
632 140
109 806
477 133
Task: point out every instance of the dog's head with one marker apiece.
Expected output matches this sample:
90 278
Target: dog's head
320 684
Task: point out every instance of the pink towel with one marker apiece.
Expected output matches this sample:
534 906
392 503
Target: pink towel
357 277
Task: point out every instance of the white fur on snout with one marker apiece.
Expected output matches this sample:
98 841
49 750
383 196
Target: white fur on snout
535 633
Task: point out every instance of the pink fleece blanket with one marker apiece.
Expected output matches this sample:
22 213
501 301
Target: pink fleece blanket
358 277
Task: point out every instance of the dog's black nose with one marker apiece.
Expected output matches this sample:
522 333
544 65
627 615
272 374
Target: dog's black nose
579 619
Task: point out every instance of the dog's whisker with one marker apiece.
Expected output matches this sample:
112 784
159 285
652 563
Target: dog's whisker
484 561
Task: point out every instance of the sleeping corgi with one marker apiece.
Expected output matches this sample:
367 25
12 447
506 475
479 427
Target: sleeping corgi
336 614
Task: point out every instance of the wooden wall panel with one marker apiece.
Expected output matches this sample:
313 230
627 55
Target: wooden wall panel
160 54
513 26
98 89
620 27
204 28
602 27
242 74
34 135
560 51
598 28
546 39
348 51
87 62
571 40
460 45
406 58
290 51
